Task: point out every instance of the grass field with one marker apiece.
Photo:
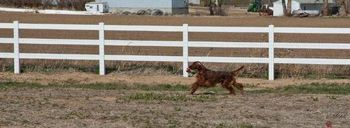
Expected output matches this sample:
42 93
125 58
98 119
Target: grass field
169 105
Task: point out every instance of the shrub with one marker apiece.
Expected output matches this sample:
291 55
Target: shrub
45 4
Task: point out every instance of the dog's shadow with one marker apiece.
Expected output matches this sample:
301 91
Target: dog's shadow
212 93
208 93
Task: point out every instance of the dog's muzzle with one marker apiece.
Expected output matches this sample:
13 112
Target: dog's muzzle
189 70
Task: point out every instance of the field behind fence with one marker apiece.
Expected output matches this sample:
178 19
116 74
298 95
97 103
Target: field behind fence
271 45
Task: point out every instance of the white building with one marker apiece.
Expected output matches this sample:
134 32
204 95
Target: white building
314 4
310 6
97 7
278 7
194 2
167 6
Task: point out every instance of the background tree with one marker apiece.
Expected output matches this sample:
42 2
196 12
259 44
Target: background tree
289 8
325 8
214 7
344 7
284 7
211 7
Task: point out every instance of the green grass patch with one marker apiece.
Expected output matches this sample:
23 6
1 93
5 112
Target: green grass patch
313 88
151 96
317 88
64 66
5 85
51 68
97 86
162 87
246 125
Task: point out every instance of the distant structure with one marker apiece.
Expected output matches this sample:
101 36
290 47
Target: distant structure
194 2
311 6
278 7
166 6
97 7
314 4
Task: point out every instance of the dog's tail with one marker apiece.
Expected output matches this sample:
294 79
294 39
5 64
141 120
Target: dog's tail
235 72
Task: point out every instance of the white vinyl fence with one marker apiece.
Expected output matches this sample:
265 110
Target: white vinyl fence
185 44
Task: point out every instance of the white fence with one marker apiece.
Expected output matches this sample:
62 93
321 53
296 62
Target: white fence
185 44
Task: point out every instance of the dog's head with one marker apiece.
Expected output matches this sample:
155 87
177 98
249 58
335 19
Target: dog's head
195 66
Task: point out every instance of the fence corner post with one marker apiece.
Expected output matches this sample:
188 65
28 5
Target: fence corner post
185 49
271 53
102 48
16 47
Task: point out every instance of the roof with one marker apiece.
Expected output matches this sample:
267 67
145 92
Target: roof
309 1
315 1
97 3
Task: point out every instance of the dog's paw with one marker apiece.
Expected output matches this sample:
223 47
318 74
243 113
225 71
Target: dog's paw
209 93
191 74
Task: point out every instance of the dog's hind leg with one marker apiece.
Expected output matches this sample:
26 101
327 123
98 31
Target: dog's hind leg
226 84
239 86
231 89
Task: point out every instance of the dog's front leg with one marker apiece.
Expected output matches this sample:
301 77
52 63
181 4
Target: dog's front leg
194 88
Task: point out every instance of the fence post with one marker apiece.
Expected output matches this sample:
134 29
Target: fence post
185 49
16 47
271 53
102 48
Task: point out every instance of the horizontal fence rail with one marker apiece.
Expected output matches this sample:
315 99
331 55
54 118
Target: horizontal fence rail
299 30
185 44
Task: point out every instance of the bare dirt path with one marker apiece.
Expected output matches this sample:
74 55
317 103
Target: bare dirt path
83 78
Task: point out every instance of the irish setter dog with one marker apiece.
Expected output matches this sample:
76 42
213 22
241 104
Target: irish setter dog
209 78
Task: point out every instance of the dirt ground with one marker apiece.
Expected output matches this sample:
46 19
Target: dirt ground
93 108
74 107
88 78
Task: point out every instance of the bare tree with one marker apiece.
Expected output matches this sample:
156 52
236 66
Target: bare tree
325 8
289 8
47 4
219 10
211 7
343 10
346 6
214 7
284 7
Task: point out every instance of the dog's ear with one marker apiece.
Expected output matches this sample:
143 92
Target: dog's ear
200 65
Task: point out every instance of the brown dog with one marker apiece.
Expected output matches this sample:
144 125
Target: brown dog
209 78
